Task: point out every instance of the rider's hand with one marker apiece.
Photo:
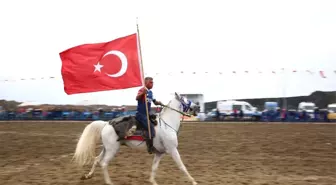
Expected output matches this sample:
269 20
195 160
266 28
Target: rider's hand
144 91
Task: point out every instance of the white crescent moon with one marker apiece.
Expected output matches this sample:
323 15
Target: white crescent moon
123 60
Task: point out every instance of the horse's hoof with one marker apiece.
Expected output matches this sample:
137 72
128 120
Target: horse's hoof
152 181
83 177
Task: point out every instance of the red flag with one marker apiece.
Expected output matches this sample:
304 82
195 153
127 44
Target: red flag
322 74
102 66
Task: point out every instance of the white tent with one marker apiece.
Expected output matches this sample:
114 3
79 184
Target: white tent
29 103
87 102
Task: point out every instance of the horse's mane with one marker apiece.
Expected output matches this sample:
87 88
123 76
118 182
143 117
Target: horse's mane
165 108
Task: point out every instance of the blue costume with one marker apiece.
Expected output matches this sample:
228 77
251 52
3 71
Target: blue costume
141 112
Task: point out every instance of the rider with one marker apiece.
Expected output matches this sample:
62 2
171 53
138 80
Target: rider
141 115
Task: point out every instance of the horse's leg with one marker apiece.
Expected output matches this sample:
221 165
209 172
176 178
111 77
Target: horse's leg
95 163
155 165
111 147
177 158
108 156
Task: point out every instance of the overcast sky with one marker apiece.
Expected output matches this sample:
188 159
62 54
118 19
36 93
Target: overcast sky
200 36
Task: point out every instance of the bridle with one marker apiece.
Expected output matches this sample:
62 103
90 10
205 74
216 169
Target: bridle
184 106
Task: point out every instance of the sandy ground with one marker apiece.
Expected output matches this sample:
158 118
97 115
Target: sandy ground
242 154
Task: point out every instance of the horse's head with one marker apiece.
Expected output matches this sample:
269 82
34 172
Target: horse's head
186 105
178 105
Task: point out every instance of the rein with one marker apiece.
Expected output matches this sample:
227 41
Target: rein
177 131
183 113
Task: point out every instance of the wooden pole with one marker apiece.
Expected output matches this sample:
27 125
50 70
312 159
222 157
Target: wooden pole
143 78
284 99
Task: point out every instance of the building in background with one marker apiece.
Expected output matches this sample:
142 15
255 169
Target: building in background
196 98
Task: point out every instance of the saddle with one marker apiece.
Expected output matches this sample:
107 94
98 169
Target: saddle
126 126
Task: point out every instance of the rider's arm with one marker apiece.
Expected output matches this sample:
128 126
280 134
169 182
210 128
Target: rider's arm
157 102
141 93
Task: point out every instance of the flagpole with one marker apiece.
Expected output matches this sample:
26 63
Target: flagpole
143 78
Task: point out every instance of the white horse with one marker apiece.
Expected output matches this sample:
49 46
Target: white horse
165 141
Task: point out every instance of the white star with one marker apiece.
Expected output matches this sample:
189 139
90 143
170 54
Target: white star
98 67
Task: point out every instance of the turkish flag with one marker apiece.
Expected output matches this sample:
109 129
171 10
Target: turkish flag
103 66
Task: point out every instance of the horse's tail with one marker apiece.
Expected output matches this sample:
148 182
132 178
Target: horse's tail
85 150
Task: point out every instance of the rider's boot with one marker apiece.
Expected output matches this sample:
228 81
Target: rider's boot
149 143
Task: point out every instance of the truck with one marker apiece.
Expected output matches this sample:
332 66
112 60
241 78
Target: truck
271 106
332 111
271 111
332 108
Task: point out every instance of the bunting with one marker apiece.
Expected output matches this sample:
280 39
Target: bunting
310 72
322 74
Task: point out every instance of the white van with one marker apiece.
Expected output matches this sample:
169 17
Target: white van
309 107
226 108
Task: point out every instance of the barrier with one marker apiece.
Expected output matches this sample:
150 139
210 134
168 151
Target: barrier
277 116
270 116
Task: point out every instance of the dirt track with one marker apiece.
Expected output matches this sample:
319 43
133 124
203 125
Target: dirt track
240 154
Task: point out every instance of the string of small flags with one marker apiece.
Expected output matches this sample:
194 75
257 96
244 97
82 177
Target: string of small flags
322 74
